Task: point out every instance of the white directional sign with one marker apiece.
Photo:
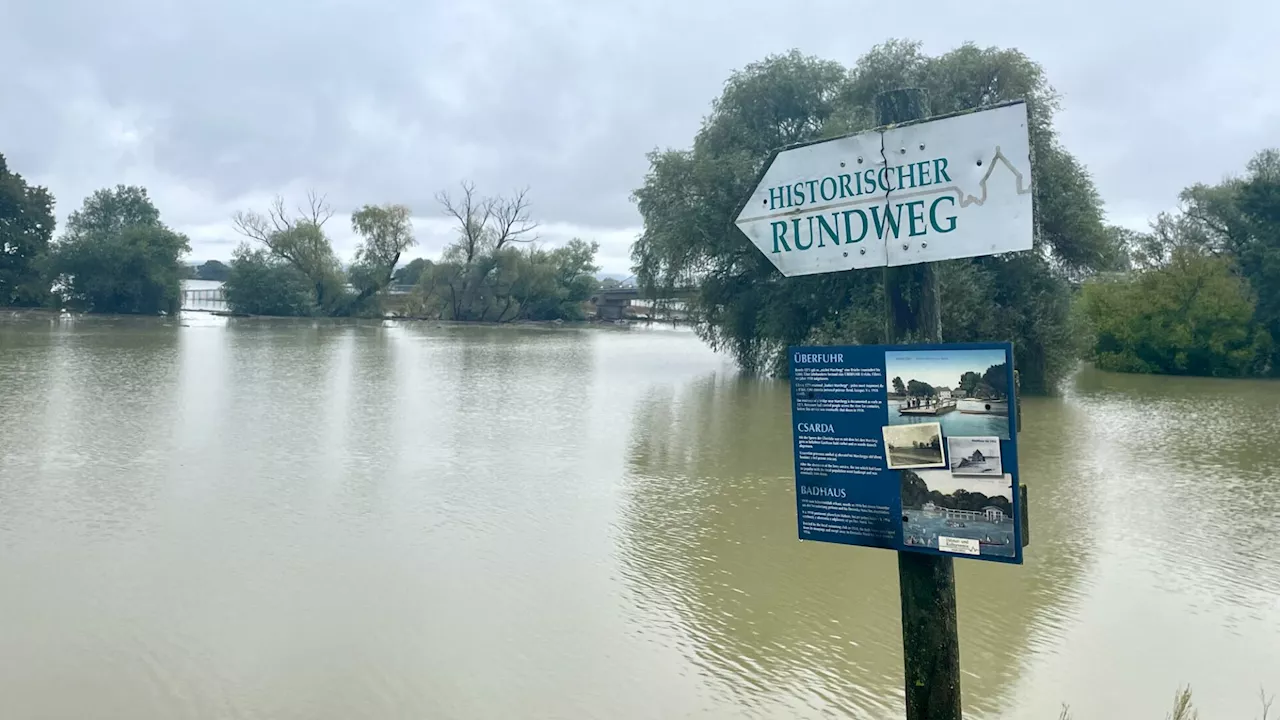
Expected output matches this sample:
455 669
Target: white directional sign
955 187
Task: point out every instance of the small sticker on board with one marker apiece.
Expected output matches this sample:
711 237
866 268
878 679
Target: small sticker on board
964 546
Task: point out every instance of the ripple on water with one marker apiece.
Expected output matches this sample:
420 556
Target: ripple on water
331 520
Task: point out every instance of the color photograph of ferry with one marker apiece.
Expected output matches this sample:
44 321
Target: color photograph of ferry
966 391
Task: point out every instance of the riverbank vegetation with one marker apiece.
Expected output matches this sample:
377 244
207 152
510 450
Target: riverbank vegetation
116 256
1198 295
292 268
690 196
1202 293
493 271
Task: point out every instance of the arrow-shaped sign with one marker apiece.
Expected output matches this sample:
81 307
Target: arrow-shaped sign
952 187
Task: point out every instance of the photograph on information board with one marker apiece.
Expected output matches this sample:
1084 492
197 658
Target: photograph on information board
966 391
914 446
958 514
974 456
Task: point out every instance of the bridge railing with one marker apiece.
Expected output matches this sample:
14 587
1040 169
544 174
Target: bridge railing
207 299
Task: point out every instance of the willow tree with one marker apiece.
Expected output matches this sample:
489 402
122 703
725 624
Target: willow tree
744 306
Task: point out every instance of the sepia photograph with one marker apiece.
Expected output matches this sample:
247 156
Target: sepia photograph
914 446
974 455
959 514
966 391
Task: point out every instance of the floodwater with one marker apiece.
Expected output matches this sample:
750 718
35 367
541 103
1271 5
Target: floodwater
265 519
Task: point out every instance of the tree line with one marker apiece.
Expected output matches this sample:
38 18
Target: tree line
493 271
117 256
690 196
1200 294
972 384
915 493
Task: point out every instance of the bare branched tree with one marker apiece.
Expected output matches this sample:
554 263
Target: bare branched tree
485 222
485 225
473 214
318 210
257 226
511 219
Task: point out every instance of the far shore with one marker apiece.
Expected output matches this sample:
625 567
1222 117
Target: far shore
52 313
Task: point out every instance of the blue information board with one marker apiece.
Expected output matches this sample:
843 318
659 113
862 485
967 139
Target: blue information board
908 447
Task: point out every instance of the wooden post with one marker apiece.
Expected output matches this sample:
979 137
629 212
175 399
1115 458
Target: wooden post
930 642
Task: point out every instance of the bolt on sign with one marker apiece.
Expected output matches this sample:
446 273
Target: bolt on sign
951 187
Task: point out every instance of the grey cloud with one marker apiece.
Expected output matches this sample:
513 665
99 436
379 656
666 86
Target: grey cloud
219 105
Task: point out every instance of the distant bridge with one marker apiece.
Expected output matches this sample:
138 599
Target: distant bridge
204 300
611 303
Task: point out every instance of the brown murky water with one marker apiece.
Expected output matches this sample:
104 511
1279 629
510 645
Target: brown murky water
277 519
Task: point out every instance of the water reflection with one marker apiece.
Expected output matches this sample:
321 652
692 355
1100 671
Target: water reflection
321 519
1200 471
710 548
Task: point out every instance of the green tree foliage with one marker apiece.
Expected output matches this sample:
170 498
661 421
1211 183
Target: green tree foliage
490 273
213 270
898 387
1203 293
916 388
517 284
386 231
689 199
26 230
116 256
1242 219
1193 315
259 283
410 274
299 240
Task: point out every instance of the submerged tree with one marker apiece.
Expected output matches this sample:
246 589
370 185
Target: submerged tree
260 283
118 257
386 231
689 199
493 271
298 239
470 269
1191 316
1203 295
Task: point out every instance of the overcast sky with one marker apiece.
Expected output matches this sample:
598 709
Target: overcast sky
939 368
217 106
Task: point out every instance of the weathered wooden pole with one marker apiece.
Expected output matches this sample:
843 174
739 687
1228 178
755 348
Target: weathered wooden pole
930 641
